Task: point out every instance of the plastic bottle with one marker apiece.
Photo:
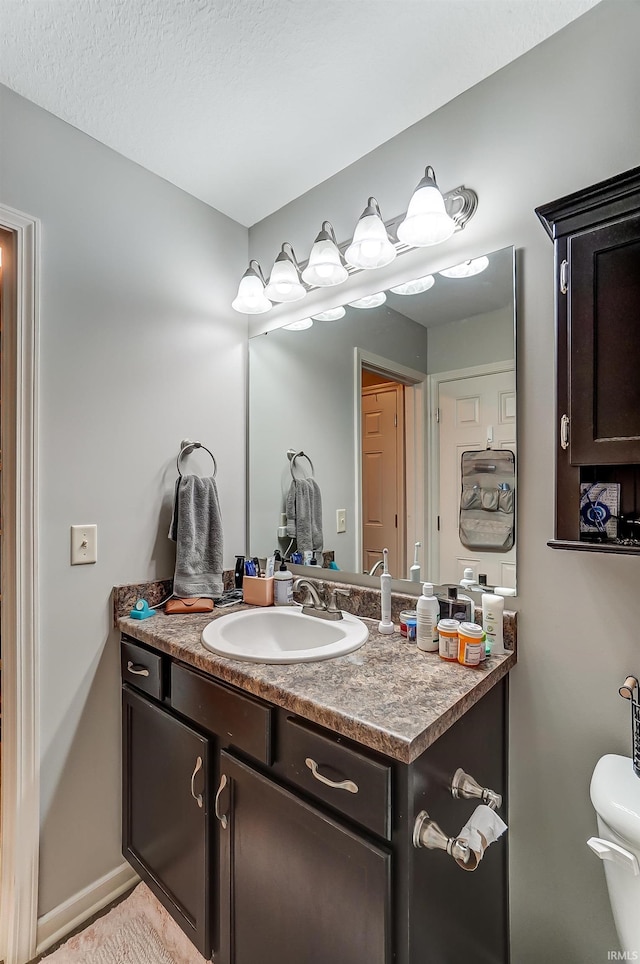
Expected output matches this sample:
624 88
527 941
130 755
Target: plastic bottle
385 625
414 572
492 612
470 644
448 641
283 586
428 612
467 581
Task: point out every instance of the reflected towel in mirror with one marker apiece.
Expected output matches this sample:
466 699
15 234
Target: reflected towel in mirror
304 514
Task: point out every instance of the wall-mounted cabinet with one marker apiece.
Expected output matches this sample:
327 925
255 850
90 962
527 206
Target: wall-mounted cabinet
596 235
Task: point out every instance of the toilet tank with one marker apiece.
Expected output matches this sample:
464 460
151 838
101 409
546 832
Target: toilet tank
615 795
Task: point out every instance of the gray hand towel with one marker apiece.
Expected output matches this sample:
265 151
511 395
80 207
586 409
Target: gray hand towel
196 527
304 514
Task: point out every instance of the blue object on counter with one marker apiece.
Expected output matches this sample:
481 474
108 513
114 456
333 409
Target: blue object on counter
141 610
333 565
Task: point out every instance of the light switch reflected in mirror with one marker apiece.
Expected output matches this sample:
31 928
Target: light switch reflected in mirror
385 400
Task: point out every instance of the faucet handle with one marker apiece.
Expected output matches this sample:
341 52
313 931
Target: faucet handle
332 605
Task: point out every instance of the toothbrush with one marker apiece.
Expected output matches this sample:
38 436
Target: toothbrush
414 572
385 625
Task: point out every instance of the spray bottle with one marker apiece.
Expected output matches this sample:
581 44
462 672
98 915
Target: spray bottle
385 625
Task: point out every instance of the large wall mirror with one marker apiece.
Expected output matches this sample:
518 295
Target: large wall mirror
383 402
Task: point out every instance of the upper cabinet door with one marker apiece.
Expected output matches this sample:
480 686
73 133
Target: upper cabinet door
604 344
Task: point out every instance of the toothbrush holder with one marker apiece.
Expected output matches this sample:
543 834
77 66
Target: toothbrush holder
257 590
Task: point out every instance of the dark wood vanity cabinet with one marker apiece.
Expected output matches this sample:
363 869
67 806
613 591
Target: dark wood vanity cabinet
290 843
596 234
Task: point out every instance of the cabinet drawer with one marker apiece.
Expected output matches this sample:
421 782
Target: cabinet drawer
319 764
141 669
239 721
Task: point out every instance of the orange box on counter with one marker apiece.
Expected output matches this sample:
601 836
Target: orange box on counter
257 590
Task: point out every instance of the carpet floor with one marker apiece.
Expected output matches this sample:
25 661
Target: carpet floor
136 931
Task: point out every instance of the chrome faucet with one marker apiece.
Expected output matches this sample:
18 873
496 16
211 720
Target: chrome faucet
313 605
375 567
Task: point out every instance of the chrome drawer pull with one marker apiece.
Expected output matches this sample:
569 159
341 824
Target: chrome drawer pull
341 785
196 797
137 670
222 817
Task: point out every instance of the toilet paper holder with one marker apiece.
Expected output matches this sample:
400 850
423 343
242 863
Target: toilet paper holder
427 833
463 786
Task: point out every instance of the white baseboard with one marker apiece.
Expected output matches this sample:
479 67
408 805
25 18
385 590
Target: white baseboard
55 925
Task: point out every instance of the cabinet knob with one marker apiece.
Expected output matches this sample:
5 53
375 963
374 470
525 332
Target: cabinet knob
348 785
222 817
196 797
465 787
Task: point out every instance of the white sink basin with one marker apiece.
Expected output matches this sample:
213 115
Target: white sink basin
283 635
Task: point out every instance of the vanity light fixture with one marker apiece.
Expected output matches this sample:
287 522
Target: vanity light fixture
466 269
371 246
301 325
325 267
415 287
332 314
284 281
369 301
427 221
251 299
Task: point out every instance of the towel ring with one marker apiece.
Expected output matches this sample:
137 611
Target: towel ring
187 447
300 455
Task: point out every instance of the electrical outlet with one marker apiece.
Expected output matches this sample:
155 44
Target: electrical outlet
341 520
84 545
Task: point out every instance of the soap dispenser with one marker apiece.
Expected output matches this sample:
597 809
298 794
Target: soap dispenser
283 586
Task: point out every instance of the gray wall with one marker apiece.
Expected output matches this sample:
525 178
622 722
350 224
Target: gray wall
139 348
302 397
479 340
562 117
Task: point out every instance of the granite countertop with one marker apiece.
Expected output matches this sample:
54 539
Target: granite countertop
388 695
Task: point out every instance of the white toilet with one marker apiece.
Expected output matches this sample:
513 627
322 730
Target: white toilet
615 794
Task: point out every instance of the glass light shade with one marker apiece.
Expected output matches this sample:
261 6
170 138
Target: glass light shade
333 314
427 221
284 283
301 325
371 247
466 269
325 267
251 299
370 301
416 286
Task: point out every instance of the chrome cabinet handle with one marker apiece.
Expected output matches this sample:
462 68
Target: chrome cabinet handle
196 797
564 432
137 670
348 785
222 817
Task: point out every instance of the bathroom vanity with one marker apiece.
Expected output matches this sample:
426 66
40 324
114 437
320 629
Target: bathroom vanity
271 809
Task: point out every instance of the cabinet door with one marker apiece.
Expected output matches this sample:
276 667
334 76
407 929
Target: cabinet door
296 886
604 344
165 822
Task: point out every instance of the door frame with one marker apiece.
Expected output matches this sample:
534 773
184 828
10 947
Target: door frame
415 420
19 830
433 446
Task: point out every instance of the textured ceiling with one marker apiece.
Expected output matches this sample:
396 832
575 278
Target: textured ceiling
247 104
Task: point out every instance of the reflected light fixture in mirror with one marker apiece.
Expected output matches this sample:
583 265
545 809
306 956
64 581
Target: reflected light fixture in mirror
466 269
427 221
369 301
415 287
325 267
371 246
251 299
301 325
333 314
284 283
